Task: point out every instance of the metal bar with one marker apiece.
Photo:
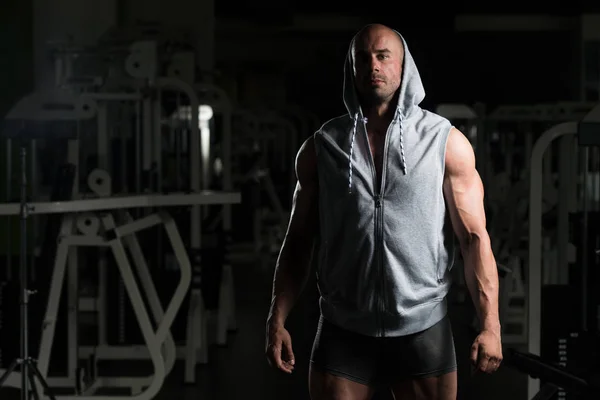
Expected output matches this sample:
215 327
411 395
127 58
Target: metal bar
535 239
114 96
115 202
584 242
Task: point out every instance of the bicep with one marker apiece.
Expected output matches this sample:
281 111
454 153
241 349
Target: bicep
463 188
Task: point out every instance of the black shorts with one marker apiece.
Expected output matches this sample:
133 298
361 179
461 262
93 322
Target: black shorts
377 361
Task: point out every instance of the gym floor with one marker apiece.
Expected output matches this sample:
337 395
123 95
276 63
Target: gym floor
240 371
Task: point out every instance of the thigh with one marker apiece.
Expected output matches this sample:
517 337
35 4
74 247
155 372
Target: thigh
343 364
436 387
423 365
327 386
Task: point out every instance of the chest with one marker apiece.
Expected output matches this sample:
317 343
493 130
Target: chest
378 161
376 138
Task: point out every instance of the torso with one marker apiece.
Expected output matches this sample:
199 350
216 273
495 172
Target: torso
377 143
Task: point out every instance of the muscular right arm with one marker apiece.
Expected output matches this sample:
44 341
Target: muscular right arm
293 264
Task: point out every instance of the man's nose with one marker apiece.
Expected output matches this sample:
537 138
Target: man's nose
374 65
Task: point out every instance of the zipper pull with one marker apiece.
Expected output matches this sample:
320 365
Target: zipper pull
377 201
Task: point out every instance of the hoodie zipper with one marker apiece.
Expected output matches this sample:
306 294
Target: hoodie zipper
379 221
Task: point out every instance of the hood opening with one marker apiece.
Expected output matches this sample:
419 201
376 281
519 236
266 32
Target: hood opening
411 95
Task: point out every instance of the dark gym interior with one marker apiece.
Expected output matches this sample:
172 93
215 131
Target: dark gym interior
144 138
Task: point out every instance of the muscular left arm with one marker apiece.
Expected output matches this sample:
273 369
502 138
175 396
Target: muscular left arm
463 191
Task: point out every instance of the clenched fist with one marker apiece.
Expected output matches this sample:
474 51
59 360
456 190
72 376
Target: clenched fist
486 352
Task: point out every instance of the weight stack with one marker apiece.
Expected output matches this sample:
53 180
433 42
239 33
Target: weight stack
560 318
568 350
586 278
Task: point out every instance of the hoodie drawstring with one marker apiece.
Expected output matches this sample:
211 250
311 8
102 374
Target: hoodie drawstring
402 158
354 128
356 118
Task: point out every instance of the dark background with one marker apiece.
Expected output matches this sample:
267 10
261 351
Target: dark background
265 53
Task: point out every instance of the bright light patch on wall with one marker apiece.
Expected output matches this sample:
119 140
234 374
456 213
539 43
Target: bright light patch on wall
205 112
205 115
184 113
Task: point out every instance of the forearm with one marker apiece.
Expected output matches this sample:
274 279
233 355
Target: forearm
291 275
481 276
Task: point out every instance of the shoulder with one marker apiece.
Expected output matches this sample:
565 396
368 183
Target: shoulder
432 119
430 126
332 129
459 152
335 125
334 132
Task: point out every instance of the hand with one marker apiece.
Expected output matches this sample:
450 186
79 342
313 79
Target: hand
486 352
279 348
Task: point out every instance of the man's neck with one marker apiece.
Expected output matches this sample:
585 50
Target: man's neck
381 113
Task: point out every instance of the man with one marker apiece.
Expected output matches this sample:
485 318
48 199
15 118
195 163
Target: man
386 188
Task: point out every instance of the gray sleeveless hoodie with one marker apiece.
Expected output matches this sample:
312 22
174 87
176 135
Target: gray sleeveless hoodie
385 255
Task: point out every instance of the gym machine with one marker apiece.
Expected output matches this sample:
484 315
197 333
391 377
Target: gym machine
196 334
120 239
250 157
506 125
588 132
82 107
216 115
151 172
554 376
518 127
280 141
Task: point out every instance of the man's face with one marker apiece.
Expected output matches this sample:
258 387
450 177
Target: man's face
378 55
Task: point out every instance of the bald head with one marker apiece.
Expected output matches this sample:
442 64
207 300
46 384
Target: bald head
377 55
378 31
